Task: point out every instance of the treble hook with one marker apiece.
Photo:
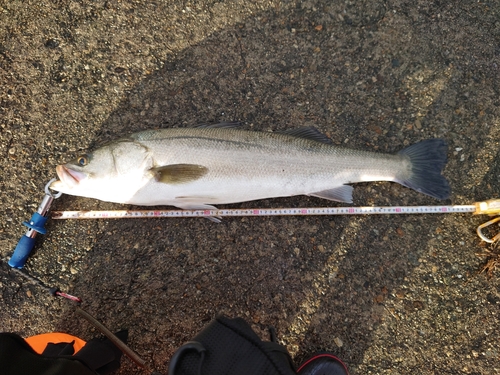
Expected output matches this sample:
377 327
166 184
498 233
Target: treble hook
487 224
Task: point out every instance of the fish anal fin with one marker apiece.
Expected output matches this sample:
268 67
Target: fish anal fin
179 173
310 133
340 194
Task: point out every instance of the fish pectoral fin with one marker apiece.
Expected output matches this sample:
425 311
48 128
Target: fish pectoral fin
179 173
340 194
308 132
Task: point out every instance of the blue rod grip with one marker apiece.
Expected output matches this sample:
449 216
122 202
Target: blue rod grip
22 251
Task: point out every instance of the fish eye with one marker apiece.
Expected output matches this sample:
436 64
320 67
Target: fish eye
82 160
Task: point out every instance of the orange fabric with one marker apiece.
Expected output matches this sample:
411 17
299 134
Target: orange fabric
39 342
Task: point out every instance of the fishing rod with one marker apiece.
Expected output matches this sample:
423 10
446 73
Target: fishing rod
36 225
39 218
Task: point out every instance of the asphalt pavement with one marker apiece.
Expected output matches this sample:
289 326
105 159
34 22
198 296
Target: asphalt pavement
391 294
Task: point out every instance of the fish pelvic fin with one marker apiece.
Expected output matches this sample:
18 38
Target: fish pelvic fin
339 194
179 173
428 158
185 204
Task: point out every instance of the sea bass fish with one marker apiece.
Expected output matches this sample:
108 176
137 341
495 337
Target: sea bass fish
196 168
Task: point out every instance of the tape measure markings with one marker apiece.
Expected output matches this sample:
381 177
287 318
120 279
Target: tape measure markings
138 214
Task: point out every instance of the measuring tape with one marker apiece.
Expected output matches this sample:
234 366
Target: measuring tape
490 207
141 214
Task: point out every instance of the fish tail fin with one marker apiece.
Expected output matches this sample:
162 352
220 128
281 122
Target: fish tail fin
428 159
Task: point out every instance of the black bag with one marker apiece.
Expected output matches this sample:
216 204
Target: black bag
230 347
97 357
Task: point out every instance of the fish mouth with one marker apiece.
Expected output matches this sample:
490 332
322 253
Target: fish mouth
68 176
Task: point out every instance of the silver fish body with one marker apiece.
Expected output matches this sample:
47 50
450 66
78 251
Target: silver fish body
195 168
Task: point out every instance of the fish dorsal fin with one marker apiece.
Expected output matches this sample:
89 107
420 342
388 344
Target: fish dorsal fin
179 173
340 194
309 132
220 125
